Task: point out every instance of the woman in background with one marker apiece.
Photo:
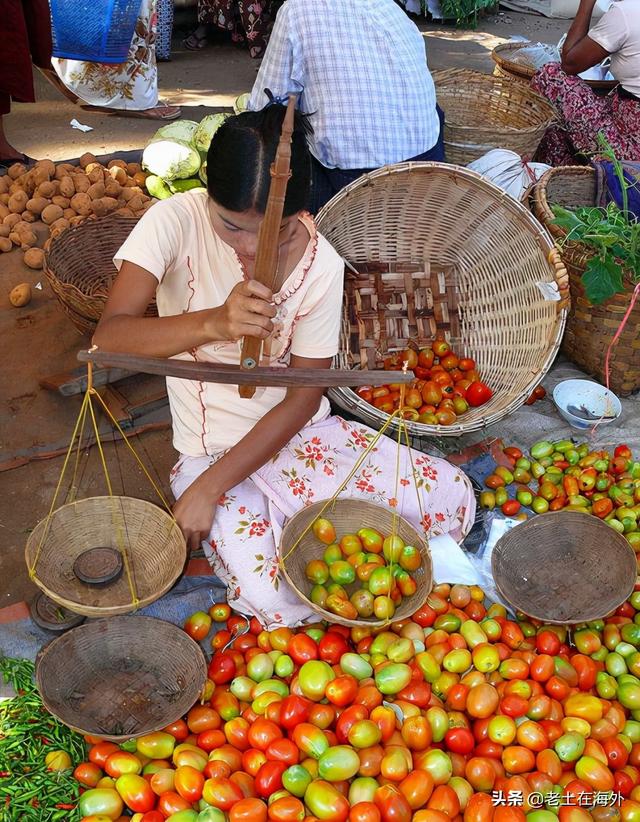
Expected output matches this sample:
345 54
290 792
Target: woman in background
583 114
129 89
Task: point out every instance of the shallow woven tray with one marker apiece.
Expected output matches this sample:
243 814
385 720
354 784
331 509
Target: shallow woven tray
484 112
120 678
79 267
156 548
564 568
590 328
348 516
447 253
505 66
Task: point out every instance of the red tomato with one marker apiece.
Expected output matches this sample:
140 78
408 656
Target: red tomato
392 804
417 788
478 393
198 625
222 668
364 812
170 803
188 783
342 690
286 809
203 718
302 649
268 780
460 741
248 810
209 740
178 729
99 753
221 793
548 642
88 773
294 710
262 733
331 647
283 750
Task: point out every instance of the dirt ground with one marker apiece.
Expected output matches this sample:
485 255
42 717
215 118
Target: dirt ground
39 341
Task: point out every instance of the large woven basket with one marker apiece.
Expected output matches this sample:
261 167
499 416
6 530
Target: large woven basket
590 328
564 568
80 270
483 112
506 66
120 678
155 547
348 516
440 250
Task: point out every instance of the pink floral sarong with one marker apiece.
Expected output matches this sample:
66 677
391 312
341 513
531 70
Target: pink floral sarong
243 543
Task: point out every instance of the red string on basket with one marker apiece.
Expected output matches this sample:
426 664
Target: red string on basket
634 297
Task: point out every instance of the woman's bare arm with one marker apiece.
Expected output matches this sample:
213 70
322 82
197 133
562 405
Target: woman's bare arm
195 510
580 52
123 328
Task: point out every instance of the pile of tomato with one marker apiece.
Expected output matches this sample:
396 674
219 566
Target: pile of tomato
558 476
446 385
432 719
379 566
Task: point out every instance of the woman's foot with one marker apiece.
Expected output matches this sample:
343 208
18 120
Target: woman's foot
197 39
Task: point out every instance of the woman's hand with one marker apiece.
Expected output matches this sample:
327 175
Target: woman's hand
247 312
196 510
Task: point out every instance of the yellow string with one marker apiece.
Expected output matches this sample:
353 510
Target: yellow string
32 569
73 488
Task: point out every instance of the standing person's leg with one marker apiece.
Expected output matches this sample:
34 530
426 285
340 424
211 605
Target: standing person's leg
165 30
207 14
256 17
436 152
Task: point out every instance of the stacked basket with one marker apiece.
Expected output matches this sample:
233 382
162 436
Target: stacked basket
590 328
484 112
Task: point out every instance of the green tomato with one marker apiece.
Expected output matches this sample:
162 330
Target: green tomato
260 667
355 666
342 572
101 802
296 780
569 747
284 666
392 678
313 678
338 763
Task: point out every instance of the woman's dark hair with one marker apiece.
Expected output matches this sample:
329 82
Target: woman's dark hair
240 158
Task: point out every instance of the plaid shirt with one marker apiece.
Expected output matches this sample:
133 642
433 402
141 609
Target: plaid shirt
361 72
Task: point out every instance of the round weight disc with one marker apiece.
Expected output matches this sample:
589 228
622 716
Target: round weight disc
52 617
99 566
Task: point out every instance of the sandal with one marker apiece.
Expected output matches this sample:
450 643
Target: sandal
57 83
22 158
161 112
194 42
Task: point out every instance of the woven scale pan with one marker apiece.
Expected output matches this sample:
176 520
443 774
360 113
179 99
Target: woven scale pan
590 328
155 547
120 678
348 516
484 112
80 270
506 66
441 249
564 568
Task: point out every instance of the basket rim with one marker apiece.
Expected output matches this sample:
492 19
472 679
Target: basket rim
425 552
529 71
96 626
96 611
347 398
572 517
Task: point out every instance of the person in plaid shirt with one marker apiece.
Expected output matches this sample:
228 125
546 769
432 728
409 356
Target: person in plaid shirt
360 70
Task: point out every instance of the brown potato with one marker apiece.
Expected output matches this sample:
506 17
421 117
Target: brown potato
127 194
61 223
67 188
18 201
96 191
96 175
118 174
69 213
135 203
34 258
81 183
17 170
79 218
86 159
37 176
46 190
5 182
28 217
140 179
5 244
98 207
4 231
48 165
4 198
117 164
3 211
110 204
81 204
36 205
20 295
63 202
11 220
124 212
65 170
112 189
51 213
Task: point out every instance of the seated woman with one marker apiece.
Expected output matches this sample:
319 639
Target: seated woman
246 465
583 114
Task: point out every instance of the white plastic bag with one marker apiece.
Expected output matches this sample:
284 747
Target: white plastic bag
508 171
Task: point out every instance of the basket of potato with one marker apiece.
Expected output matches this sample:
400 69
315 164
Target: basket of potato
39 205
